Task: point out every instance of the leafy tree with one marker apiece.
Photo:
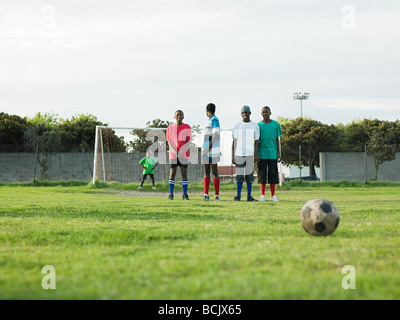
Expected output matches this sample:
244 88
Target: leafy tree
395 138
381 137
357 134
42 134
141 144
381 148
79 132
12 128
42 131
313 136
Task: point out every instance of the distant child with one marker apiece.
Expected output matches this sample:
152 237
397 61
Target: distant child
148 164
211 151
269 153
245 151
178 136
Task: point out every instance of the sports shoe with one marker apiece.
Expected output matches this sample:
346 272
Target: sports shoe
171 196
154 188
236 198
185 196
206 197
140 188
251 199
217 198
274 198
262 198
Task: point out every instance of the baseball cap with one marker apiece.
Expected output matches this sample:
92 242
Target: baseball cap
245 109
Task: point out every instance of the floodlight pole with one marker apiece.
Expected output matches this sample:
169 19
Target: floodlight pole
300 96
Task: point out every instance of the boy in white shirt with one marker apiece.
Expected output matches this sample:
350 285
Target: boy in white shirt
245 136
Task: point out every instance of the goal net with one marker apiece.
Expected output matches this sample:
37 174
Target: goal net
118 152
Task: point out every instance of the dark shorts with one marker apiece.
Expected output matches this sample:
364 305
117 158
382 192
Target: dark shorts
268 171
177 163
244 169
148 174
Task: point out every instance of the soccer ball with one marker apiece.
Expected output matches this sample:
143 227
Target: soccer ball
319 217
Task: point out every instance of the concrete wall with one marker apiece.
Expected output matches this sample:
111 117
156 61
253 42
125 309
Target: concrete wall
353 166
19 167
121 167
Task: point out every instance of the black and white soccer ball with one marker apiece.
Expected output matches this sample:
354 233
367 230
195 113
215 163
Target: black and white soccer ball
319 217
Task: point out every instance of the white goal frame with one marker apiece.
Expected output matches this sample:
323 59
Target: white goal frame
99 152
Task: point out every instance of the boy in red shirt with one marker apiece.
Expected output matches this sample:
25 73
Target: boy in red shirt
178 136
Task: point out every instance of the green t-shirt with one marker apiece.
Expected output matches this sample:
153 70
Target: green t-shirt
148 163
269 132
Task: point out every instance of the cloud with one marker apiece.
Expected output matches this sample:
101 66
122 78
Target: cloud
108 59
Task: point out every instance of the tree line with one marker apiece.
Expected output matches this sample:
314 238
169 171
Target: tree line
380 139
50 134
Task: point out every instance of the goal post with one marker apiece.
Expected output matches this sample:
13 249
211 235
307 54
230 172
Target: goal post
118 150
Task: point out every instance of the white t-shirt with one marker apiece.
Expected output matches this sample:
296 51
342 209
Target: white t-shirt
245 133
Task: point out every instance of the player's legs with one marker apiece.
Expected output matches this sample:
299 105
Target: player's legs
240 173
185 181
273 177
152 180
207 178
262 176
214 168
172 174
249 178
207 170
142 181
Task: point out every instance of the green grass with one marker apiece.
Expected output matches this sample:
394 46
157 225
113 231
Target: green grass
106 242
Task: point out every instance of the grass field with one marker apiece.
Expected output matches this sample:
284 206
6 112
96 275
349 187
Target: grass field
112 242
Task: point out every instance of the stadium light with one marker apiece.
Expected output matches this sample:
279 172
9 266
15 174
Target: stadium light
300 96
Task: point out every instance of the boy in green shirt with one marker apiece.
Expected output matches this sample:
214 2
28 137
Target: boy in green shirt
148 164
269 153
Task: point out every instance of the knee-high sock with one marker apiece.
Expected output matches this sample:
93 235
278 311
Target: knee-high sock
216 186
239 189
263 189
272 187
171 185
249 186
206 184
185 184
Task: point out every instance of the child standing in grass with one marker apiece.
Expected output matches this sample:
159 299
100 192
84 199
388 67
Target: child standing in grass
178 137
148 164
269 153
211 151
244 152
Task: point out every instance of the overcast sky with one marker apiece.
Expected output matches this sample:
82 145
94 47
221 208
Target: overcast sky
129 62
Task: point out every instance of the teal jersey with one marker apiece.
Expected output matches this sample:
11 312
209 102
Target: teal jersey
269 132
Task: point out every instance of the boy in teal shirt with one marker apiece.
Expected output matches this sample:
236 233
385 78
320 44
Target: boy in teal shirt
148 164
269 153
